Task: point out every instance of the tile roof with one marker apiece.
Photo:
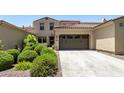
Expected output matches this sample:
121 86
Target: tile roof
69 21
29 29
83 25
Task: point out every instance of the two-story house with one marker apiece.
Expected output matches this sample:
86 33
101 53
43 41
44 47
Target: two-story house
69 34
44 29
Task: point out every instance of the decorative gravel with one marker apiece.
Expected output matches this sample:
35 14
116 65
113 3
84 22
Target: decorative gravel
13 73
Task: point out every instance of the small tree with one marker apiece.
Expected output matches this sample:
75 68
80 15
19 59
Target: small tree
1 46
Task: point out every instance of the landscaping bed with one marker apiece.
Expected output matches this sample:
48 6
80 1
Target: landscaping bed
14 73
34 59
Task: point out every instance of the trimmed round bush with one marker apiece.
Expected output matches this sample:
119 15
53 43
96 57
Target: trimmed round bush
39 48
14 52
6 60
44 65
30 47
45 44
23 66
34 45
27 48
27 55
48 51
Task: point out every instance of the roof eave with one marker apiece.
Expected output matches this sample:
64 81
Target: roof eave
7 23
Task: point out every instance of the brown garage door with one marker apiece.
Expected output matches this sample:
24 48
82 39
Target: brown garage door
71 42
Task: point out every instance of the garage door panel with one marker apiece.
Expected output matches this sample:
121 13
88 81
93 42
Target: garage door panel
74 43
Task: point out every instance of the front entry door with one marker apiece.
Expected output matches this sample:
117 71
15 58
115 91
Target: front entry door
51 40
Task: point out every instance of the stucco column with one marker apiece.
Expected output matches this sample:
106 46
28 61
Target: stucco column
47 39
91 40
57 42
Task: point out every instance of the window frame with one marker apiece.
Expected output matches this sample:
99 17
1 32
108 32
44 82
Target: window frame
42 27
42 39
51 27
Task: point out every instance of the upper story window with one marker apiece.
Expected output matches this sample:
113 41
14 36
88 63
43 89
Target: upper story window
51 26
41 26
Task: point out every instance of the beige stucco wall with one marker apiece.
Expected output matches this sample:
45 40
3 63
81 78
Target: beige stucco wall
46 32
105 37
59 32
11 36
119 34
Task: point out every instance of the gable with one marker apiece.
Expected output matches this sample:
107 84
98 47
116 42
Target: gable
46 19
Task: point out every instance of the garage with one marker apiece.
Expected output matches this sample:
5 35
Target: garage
73 42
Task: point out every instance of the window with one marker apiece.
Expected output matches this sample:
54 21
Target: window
41 26
51 26
121 24
42 40
39 40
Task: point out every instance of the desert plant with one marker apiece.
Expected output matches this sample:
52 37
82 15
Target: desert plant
6 60
23 66
27 55
44 65
14 52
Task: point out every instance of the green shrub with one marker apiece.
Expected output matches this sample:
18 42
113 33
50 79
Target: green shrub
27 55
44 65
13 52
48 51
45 44
39 48
6 60
23 66
30 40
30 47
34 45
27 48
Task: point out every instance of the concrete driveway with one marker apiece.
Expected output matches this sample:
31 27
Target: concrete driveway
89 63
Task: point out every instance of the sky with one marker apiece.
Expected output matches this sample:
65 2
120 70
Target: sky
27 20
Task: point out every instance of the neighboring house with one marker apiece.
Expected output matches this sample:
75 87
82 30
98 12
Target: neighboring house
11 35
109 36
76 35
